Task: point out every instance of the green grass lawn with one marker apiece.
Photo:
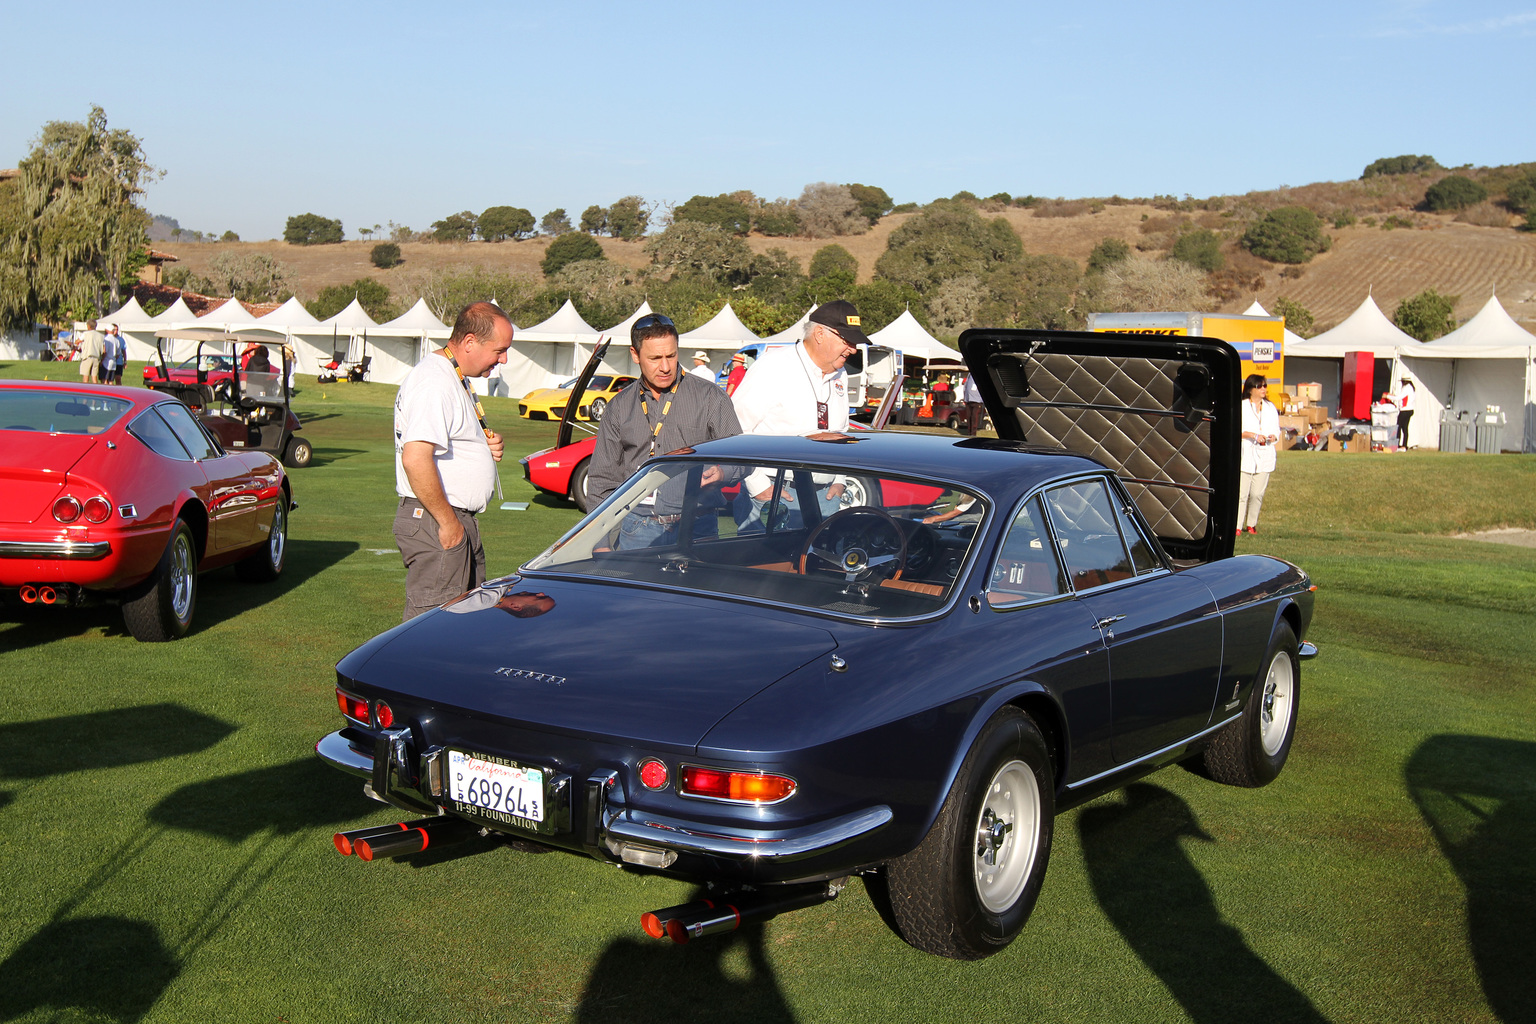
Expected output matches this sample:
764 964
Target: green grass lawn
165 827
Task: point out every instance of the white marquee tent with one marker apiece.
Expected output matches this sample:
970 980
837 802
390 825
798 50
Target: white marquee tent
908 336
548 353
1485 363
401 343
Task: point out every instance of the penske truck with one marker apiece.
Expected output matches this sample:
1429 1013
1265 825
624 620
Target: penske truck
1260 340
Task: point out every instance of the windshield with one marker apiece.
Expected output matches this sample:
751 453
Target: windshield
819 538
59 412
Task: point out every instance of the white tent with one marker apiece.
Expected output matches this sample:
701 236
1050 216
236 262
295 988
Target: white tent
21 343
351 331
1367 329
293 325
1290 337
230 316
617 360
405 341
723 331
545 354
793 333
138 327
1486 362
907 335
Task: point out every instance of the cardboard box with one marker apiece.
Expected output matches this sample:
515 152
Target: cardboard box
1315 415
1309 392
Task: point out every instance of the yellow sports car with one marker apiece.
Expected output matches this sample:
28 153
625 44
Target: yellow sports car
549 403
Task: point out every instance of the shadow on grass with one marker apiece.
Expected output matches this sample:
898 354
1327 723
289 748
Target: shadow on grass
1478 796
1156 897
220 596
285 799
326 456
726 977
104 739
106 966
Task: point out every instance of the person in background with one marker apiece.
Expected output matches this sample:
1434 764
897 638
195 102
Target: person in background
1406 393
115 354
975 408
1261 431
701 368
92 348
738 371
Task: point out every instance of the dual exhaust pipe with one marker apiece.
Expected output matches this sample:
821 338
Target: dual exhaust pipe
702 918
402 838
43 593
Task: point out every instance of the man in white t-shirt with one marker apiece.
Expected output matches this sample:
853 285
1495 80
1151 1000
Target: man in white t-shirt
445 461
800 389
701 366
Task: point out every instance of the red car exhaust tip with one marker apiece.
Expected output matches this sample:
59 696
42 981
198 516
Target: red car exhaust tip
655 921
697 920
28 594
346 842
413 838
46 595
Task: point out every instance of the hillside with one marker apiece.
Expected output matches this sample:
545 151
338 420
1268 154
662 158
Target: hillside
1452 258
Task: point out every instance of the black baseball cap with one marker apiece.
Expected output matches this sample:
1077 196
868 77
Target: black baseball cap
842 318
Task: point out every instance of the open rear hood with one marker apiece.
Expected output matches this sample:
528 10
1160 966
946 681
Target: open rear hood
1161 411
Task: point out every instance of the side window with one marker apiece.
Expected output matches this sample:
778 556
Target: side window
157 435
1088 533
1026 567
1142 555
187 430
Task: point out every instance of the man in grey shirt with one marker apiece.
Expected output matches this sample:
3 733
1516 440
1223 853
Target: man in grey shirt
664 410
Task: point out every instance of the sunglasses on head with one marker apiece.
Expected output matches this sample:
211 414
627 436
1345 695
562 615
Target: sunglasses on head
653 320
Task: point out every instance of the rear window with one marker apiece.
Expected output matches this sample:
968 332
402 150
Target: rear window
59 412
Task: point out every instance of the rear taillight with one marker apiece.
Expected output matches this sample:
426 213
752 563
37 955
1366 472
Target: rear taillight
66 509
97 509
653 774
354 708
385 715
737 787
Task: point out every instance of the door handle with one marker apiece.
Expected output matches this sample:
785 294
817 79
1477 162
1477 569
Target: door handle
1109 620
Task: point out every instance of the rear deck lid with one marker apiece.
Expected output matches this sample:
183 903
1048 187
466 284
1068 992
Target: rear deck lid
1161 411
33 469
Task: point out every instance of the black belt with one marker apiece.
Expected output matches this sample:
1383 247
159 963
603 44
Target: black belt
659 520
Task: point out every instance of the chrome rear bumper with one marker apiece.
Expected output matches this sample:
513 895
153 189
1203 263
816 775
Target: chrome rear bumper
62 549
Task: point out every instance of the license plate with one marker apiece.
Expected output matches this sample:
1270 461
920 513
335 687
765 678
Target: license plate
497 789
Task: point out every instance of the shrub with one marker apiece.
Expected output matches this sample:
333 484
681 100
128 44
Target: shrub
1484 215
1062 208
385 255
1290 234
1520 197
571 247
312 229
1200 248
1400 165
1344 218
1427 315
1394 221
1298 319
1107 253
1454 192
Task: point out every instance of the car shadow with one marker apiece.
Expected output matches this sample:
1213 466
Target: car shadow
1478 796
326 456
107 967
220 596
1151 891
285 799
547 500
105 739
641 981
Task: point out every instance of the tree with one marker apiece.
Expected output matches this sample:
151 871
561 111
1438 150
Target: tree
249 276
456 227
726 212
1107 253
1033 291
775 277
1400 165
571 247
70 223
834 259
229 236
385 255
555 222
502 222
1298 318
827 210
312 229
1148 285
692 248
627 218
1427 315
449 290
1289 234
778 219
1454 192
370 294
594 220
873 202
946 240
880 302
1200 248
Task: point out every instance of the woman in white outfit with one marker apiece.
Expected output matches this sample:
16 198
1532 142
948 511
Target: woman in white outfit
1261 432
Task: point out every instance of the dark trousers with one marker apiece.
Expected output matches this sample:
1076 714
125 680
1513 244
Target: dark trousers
434 574
1402 427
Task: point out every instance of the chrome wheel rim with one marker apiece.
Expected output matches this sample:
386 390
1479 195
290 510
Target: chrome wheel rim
278 540
1007 836
182 571
1277 703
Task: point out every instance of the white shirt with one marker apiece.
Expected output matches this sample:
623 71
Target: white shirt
1259 458
779 395
1405 398
433 407
703 370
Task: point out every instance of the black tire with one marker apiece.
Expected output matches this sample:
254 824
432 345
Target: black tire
161 607
945 896
265 564
1251 751
298 454
579 486
596 409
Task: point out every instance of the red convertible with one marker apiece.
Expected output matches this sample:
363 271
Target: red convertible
120 494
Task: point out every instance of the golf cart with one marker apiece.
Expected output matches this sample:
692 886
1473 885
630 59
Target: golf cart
247 410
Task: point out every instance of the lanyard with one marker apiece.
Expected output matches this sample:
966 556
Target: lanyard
821 407
645 408
479 409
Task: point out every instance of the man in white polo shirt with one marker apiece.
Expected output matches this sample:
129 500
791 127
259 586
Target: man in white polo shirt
800 389
445 461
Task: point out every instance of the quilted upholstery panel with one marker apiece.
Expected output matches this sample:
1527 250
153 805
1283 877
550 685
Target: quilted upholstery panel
1128 414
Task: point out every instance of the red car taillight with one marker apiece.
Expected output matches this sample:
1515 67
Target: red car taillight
97 509
737 787
354 708
66 509
653 774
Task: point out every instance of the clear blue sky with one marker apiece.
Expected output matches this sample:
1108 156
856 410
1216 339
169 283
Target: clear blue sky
410 111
